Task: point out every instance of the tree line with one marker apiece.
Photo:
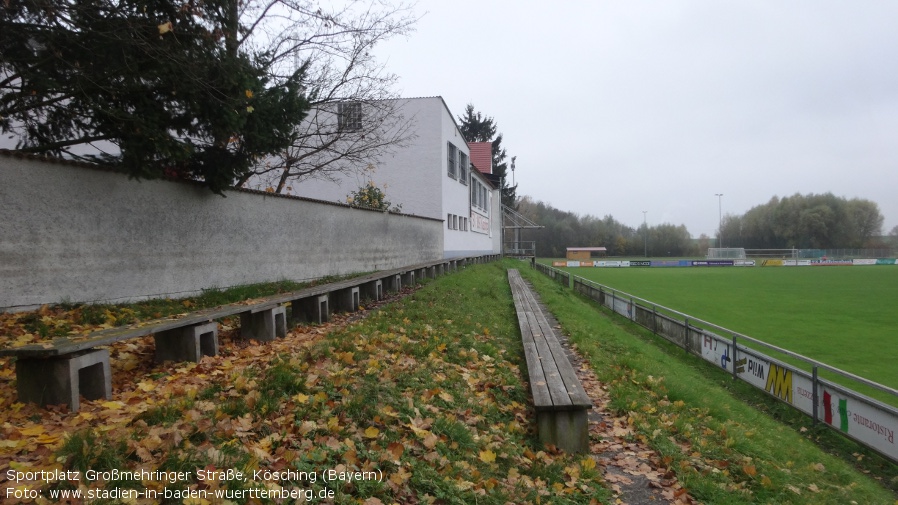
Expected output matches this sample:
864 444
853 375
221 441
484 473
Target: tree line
809 221
800 221
562 229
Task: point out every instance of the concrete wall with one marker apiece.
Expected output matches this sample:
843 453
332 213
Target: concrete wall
70 233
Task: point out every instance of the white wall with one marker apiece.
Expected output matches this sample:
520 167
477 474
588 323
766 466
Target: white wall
409 176
416 176
70 233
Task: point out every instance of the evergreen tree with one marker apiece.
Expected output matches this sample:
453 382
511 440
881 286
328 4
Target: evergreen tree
155 87
476 127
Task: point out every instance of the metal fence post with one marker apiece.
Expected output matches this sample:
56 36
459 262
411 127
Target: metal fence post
814 397
733 358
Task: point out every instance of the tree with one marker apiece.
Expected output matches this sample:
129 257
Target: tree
806 221
476 127
355 117
158 88
214 90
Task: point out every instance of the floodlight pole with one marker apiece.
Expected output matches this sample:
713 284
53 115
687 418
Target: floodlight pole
719 219
645 235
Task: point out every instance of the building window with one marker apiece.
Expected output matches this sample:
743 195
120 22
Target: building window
451 159
449 221
463 165
349 116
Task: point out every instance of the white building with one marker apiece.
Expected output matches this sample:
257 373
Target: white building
431 176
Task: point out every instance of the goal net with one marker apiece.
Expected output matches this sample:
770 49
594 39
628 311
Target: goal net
726 253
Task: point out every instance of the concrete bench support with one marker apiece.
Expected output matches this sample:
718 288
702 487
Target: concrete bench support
346 300
265 325
393 283
315 309
408 278
420 274
189 343
51 381
373 290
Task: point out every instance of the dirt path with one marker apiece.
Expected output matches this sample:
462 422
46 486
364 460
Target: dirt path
635 472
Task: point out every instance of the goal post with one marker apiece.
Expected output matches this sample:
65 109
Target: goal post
726 253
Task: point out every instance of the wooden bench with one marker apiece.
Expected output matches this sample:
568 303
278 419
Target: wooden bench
561 402
61 370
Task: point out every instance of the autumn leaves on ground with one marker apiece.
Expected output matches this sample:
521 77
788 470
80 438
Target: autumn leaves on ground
419 400
426 393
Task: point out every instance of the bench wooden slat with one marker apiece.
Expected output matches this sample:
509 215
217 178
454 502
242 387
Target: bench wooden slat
575 392
540 394
558 397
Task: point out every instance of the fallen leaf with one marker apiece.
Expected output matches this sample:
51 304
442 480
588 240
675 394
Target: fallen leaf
487 456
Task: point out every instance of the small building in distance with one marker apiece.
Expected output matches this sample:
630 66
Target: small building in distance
584 253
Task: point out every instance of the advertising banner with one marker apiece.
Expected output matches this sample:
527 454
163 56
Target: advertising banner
777 379
796 263
612 264
712 263
772 263
744 263
830 263
859 420
640 263
559 263
671 263
863 262
886 261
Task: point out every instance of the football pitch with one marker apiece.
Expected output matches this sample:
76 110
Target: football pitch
844 316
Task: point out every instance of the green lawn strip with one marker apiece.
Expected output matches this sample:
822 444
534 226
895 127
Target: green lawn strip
720 436
429 390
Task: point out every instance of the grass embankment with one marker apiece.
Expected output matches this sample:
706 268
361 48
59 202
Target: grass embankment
429 391
425 393
719 436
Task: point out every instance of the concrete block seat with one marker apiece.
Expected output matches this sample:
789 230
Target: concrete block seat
559 398
62 370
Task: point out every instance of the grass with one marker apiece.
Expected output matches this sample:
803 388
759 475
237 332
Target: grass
727 442
428 390
842 316
431 391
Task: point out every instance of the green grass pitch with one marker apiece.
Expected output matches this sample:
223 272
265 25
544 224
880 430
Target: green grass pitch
846 317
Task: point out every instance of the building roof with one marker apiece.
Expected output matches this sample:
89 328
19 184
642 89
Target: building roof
481 156
591 249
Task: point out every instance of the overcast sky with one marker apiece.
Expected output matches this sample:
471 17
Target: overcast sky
630 106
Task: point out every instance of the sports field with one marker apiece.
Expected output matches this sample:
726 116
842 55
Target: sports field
843 316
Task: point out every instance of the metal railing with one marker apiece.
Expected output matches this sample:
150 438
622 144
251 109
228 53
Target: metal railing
866 420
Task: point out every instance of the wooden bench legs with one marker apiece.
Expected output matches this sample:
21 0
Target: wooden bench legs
566 429
189 343
51 381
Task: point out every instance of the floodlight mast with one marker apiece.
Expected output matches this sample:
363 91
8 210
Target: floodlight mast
645 235
719 219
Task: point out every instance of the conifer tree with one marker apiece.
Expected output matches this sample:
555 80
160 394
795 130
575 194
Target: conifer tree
479 128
